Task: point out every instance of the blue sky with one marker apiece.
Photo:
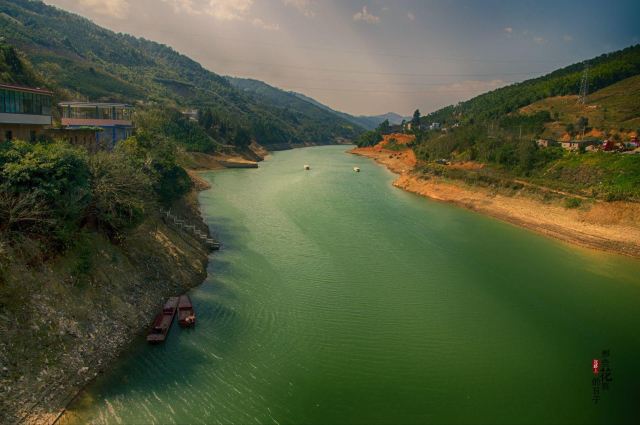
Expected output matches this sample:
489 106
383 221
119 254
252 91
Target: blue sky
370 57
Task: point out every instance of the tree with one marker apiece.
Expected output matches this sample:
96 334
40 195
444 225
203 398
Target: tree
570 128
51 177
384 127
242 138
582 123
121 192
415 121
206 120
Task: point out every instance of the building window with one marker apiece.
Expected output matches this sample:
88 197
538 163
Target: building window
8 135
32 135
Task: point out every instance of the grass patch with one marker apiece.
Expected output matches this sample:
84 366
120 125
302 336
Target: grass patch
572 203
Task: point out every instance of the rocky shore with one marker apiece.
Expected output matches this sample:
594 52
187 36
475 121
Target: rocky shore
64 326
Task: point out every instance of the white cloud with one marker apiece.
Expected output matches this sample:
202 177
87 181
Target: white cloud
365 16
567 38
222 10
265 25
411 16
508 30
186 6
114 8
228 10
539 40
306 7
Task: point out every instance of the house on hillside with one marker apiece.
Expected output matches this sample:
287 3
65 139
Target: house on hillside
25 112
191 114
574 145
609 145
115 119
434 126
86 137
546 143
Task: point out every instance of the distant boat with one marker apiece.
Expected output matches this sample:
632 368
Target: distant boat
162 322
186 315
307 167
356 169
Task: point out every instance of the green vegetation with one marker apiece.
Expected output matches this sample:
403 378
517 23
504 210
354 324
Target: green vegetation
50 191
604 70
600 174
611 110
369 138
499 129
14 69
312 122
91 62
572 203
155 123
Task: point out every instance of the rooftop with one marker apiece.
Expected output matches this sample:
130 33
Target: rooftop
25 89
95 104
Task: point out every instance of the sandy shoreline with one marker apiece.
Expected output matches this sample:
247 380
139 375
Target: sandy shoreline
607 226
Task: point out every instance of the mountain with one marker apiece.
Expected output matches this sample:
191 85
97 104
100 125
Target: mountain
499 130
316 119
394 119
93 63
603 71
14 70
366 122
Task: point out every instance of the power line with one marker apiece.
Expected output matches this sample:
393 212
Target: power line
386 83
388 91
408 74
395 55
584 85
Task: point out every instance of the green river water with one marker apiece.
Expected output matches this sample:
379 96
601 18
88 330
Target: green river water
338 299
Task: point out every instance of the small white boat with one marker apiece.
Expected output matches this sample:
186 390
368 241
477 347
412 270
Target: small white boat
307 167
356 169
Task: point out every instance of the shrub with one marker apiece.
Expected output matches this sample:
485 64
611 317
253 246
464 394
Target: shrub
572 202
157 159
121 193
45 187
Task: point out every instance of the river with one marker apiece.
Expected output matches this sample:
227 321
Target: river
338 298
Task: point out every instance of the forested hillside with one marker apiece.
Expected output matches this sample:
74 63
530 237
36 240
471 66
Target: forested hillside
14 70
97 64
604 70
498 131
320 123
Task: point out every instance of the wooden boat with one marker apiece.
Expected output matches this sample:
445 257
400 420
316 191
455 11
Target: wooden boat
186 314
307 167
356 169
162 322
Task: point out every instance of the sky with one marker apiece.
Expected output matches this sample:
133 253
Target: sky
368 57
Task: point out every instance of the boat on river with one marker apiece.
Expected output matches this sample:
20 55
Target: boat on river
307 167
186 314
162 322
356 169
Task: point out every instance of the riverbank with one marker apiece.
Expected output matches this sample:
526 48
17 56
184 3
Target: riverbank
608 226
69 318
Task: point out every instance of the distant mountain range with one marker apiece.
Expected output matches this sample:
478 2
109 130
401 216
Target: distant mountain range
89 62
367 122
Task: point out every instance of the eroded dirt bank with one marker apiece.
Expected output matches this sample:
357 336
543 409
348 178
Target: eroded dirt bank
609 226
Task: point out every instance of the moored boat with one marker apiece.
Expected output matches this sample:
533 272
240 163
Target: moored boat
307 167
186 314
356 169
162 322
